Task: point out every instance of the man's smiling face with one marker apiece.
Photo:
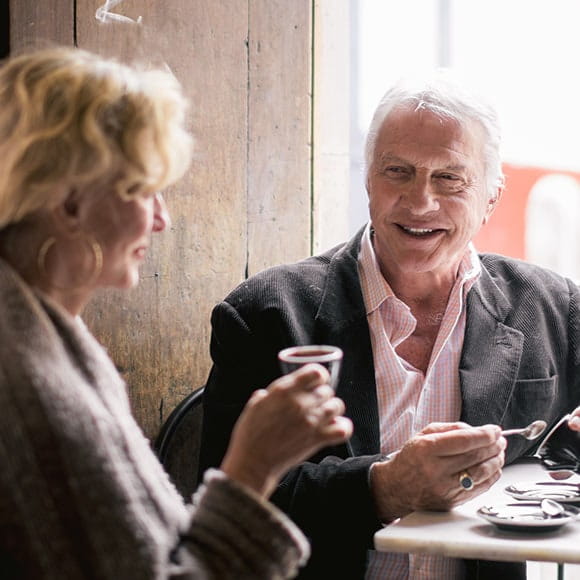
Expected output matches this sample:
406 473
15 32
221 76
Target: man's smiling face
427 192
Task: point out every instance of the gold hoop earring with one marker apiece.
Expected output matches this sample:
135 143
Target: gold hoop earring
50 242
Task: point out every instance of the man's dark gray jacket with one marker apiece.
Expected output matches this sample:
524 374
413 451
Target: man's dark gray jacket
520 362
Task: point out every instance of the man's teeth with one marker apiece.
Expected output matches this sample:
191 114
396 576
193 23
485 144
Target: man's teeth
418 231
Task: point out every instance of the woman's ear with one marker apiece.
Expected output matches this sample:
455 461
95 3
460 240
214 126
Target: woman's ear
67 214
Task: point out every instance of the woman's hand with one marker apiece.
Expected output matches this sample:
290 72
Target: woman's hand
283 425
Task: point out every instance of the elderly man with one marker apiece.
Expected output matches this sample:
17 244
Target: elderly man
441 345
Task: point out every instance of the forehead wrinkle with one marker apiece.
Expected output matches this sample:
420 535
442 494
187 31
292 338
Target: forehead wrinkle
424 135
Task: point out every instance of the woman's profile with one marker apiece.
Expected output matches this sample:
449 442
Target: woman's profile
86 146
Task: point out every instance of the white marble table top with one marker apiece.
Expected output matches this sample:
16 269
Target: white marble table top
461 533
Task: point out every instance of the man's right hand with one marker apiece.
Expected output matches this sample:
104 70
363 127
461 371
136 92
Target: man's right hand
425 473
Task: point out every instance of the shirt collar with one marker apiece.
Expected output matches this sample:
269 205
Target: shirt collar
376 289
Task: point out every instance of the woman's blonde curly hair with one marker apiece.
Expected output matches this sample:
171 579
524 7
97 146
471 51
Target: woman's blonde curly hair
71 119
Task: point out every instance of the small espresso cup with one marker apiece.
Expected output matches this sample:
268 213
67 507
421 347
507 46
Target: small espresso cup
323 354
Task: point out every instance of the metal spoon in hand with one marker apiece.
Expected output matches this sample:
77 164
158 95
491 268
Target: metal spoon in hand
531 432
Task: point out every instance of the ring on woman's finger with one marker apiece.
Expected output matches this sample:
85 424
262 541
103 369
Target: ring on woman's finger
465 481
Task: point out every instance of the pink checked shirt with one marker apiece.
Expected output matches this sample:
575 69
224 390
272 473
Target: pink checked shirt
408 400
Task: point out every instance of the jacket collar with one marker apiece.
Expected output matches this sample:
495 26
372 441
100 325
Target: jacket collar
342 302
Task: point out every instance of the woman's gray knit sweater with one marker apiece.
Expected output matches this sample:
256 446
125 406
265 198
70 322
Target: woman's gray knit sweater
82 495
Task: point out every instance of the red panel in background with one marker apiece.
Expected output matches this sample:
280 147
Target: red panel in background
505 231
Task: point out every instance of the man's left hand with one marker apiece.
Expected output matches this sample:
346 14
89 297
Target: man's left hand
574 421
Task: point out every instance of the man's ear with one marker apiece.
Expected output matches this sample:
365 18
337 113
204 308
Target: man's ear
498 192
493 201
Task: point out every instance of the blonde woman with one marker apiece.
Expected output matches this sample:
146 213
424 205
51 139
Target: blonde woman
86 144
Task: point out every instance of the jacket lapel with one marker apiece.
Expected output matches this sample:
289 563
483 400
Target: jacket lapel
341 320
491 354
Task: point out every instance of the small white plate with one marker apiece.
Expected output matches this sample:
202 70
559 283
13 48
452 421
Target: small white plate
525 517
560 491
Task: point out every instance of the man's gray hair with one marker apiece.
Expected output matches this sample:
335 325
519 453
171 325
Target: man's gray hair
444 97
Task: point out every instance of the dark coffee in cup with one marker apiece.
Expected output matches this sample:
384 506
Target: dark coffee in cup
328 356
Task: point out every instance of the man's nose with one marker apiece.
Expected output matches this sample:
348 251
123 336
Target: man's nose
420 198
161 217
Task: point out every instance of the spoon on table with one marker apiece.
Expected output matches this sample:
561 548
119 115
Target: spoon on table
531 432
561 484
551 508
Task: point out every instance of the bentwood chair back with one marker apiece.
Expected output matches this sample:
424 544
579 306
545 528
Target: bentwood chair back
177 444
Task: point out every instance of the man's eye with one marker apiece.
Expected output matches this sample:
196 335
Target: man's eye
395 170
449 176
